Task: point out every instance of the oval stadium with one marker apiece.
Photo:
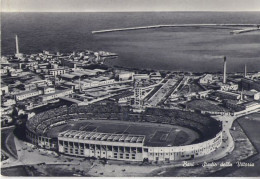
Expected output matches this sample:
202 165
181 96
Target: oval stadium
109 131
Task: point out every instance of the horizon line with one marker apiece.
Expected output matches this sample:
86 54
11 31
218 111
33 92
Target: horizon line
131 11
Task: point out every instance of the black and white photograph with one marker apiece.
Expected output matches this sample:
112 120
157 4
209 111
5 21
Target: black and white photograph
130 88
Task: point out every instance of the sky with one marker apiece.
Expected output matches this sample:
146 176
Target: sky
127 5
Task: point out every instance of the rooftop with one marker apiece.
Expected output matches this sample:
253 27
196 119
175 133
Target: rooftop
56 92
97 136
68 75
27 92
250 103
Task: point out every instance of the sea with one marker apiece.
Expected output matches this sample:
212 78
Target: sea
196 49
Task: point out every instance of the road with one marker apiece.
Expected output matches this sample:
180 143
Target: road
6 137
249 127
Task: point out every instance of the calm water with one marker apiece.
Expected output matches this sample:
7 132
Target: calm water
188 49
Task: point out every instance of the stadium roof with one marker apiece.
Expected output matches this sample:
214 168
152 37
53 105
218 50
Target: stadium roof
97 136
68 76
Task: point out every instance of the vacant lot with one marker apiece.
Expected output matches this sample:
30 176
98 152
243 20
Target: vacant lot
204 105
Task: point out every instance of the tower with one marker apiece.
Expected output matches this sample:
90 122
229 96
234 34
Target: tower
17 54
17 45
79 85
138 96
245 71
225 70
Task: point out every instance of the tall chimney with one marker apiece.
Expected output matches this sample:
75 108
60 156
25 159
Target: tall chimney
17 45
225 70
245 71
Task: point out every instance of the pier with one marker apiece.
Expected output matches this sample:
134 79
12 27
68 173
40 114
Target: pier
175 25
244 30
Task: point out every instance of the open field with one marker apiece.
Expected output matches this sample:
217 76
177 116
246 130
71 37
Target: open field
155 134
204 105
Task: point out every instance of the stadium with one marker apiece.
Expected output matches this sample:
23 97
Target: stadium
109 131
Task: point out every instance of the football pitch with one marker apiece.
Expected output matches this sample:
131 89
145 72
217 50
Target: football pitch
155 134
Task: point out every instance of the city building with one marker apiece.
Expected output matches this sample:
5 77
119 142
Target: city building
255 76
206 79
139 93
36 84
227 95
57 94
252 94
4 89
141 76
57 72
234 104
241 106
47 90
3 71
248 84
28 94
8 102
156 76
5 120
228 87
252 105
5 110
125 76
95 82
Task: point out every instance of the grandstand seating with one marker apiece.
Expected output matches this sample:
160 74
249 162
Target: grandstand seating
42 122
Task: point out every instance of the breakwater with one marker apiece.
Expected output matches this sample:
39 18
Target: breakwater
174 25
244 30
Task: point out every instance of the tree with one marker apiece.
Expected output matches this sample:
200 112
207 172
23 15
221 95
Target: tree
163 74
23 117
14 113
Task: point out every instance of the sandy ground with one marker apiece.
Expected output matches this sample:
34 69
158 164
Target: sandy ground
121 170
29 156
